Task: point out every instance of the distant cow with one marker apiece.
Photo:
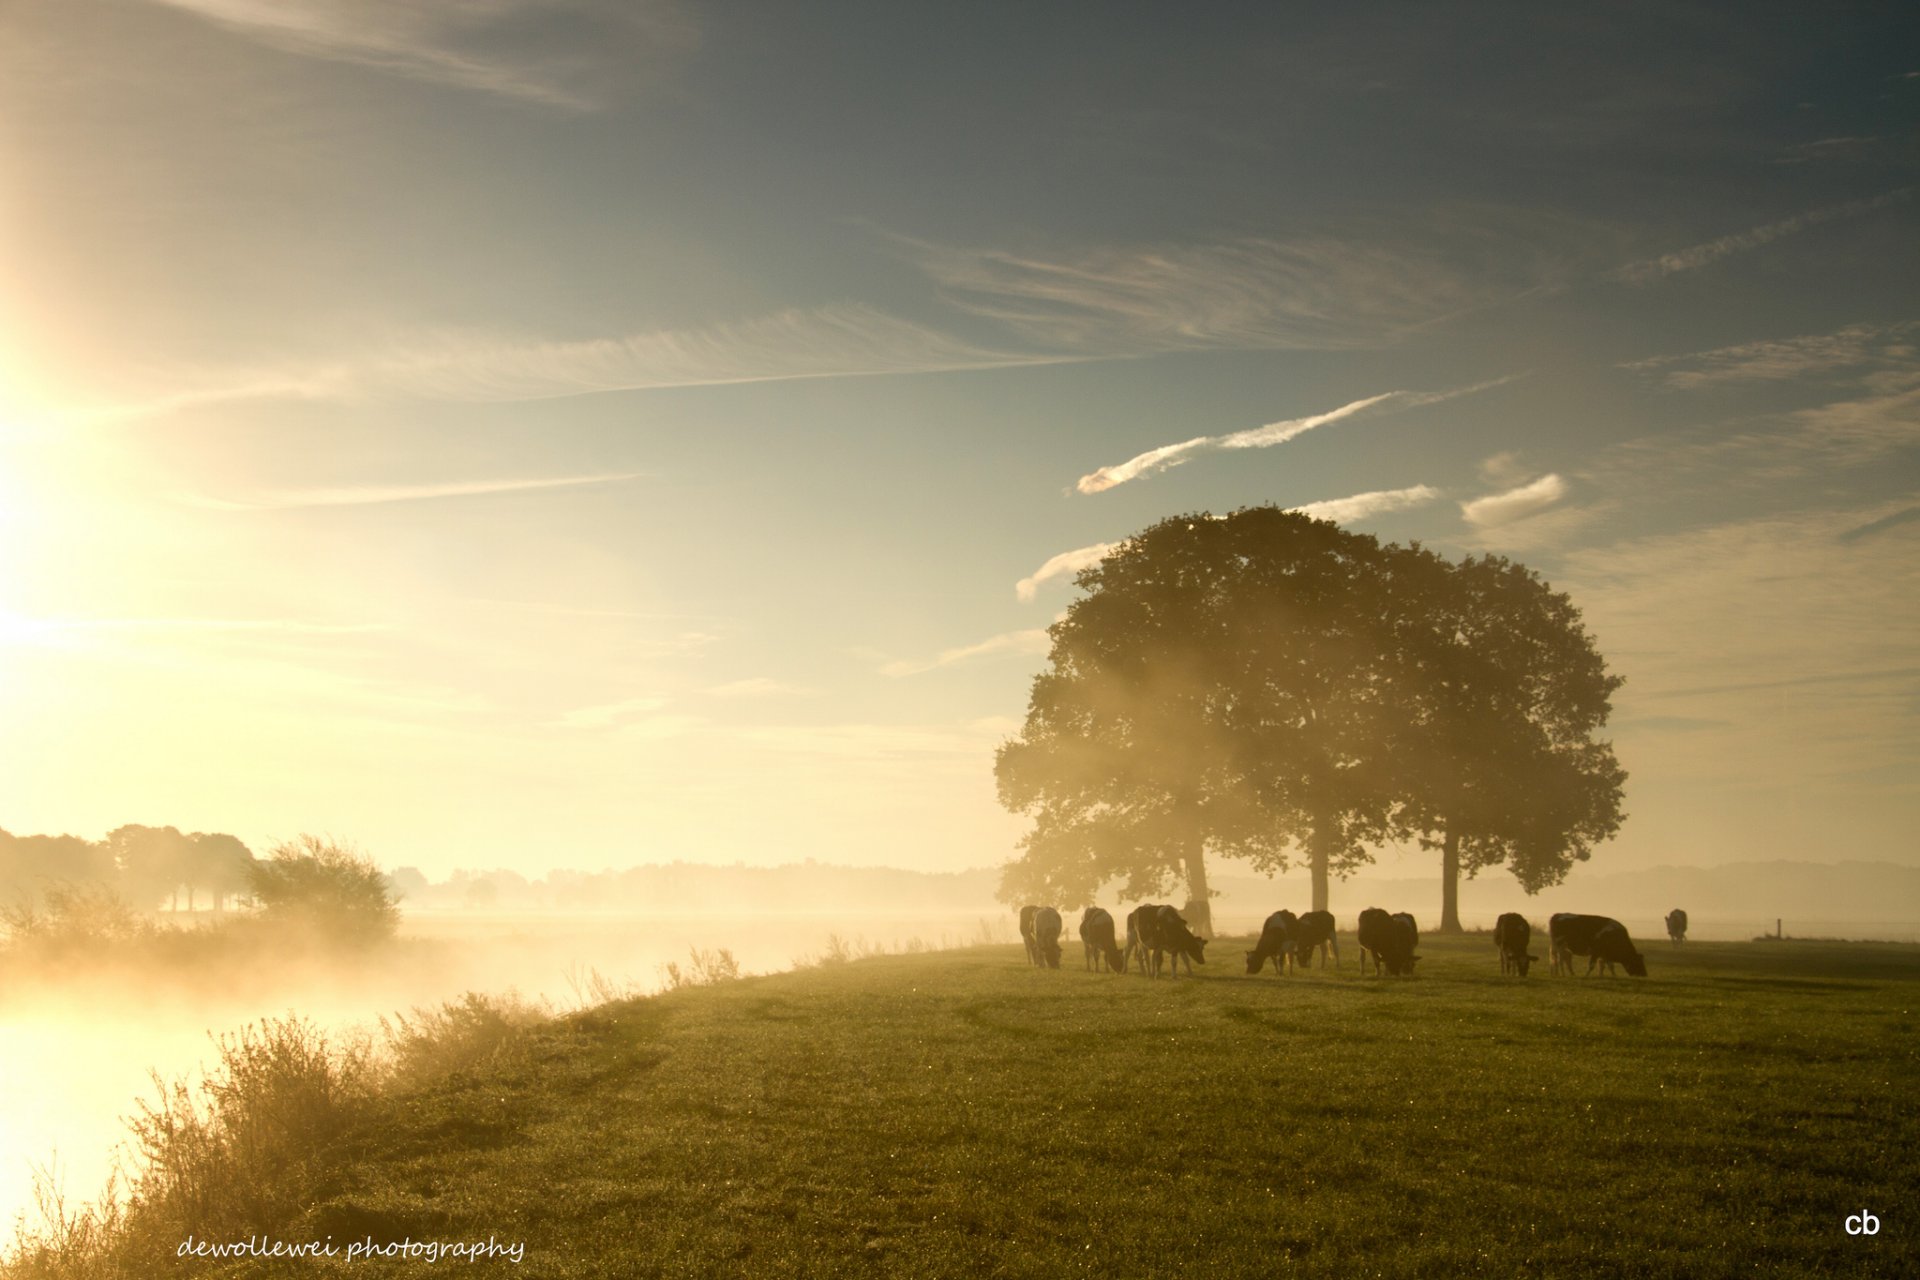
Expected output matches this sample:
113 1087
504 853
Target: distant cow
1096 938
1677 926
1511 935
1026 933
1276 942
1172 937
1389 939
1316 929
1601 939
1046 936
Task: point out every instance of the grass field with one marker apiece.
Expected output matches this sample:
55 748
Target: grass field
961 1114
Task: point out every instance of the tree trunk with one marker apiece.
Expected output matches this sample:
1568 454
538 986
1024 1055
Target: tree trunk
1319 875
1199 911
1450 883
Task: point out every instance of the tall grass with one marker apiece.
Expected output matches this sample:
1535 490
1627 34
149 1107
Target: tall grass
238 1151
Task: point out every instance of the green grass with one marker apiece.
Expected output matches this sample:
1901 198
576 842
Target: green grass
961 1114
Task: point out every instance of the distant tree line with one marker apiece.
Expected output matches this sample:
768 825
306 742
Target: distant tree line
148 867
70 886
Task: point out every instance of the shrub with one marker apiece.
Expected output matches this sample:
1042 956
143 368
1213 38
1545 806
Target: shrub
459 1035
333 891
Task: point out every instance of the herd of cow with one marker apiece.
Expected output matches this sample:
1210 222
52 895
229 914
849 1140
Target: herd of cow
1158 934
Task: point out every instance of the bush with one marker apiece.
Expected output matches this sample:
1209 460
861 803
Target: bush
332 891
459 1035
76 919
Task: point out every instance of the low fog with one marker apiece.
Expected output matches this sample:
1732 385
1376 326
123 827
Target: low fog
82 1038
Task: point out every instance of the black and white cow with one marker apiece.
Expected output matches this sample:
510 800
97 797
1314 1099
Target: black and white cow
1601 939
1511 935
1172 938
1316 931
1096 939
1046 936
1276 943
1677 926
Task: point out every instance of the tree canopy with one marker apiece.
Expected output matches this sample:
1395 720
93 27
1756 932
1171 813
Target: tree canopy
1270 687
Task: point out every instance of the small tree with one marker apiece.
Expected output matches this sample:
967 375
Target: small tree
335 892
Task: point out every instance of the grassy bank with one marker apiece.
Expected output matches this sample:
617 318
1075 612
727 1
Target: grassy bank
959 1113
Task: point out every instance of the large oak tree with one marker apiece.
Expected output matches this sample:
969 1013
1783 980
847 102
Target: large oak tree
1269 687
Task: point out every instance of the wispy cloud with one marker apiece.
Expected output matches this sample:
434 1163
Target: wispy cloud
23 626
1700 255
847 340
1906 515
1779 359
758 687
1514 504
367 495
1172 455
1362 505
1029 641
1062 565
607 714
1314 292
480 45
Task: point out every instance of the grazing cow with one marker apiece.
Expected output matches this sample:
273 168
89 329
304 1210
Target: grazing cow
1096 938
1046 936
1374 927
1511 935
1601 939
1389 939
1412 928
1172 937
1316 929
1026 933
1677 926
1276 942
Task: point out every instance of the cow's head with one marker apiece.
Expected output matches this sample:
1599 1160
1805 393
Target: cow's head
1255 962
1636 965
1197 948
1524 962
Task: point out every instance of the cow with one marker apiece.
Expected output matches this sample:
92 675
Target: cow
1413 930
1511 935
1374 927
1316 929
1142 924
1096 938
1677 926
1601 939
1046 936
1390 939
1172 937
1276 943
1026 933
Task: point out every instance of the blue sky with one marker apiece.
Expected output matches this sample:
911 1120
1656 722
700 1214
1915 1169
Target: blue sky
542 433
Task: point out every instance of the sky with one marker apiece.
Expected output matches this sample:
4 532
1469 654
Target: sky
572 433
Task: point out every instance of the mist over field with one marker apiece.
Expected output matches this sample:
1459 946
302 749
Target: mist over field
84 1044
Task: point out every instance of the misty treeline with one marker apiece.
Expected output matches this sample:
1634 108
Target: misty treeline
65 896
1273 688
